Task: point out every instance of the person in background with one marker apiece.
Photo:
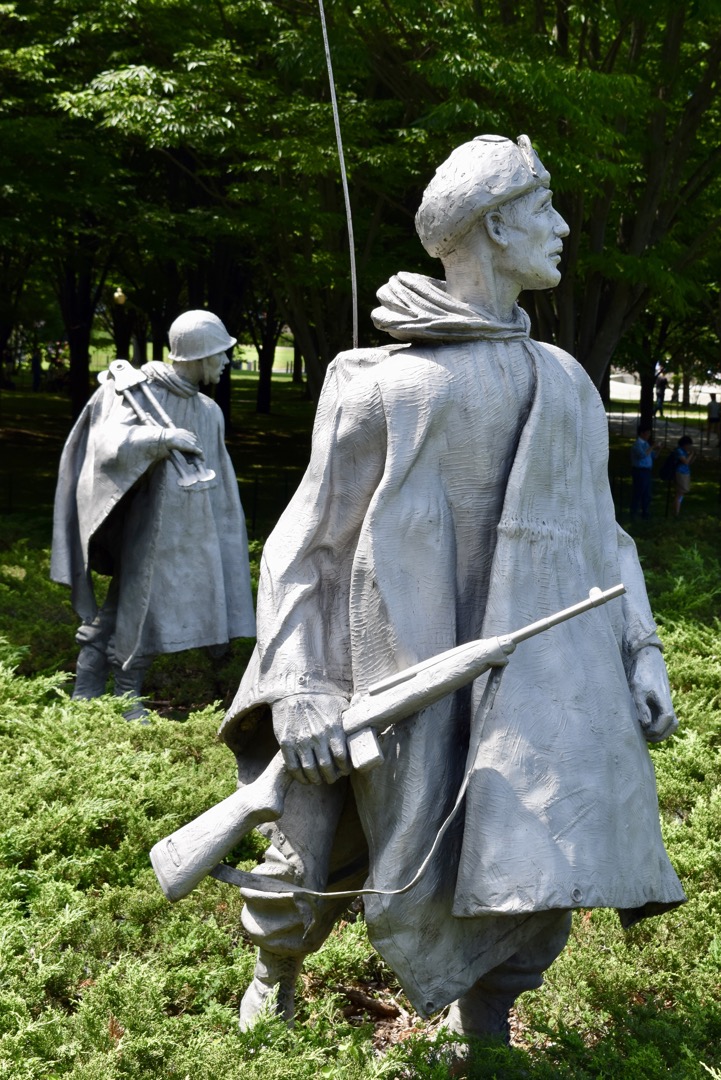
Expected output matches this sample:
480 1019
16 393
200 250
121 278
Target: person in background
643 455
684 456
713 416
661 388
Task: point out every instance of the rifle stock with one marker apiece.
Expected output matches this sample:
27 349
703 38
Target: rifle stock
184 858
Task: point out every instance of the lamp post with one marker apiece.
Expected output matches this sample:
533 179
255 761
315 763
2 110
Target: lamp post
121 325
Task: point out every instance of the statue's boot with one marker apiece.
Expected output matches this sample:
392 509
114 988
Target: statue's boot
91 672
131 682
272 990
483 1012
478 1014
481 1015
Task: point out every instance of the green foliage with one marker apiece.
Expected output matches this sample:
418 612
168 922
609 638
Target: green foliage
37 608
103 979
201 150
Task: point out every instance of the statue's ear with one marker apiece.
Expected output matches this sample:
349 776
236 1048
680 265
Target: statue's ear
496 227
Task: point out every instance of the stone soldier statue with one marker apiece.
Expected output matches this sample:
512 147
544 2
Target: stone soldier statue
177 552
457 489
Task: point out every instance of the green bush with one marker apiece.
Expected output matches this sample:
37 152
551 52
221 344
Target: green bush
102 978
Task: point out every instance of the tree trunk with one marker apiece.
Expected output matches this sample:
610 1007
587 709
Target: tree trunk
266 355
5 333
122 330
163 304
295 316
227 284
77 299
646 373
79 343
158 337
266 344
13 271
297 365
561 29
195 287
604 388
140 338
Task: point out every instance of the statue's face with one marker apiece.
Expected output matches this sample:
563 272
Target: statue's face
534 231
213 368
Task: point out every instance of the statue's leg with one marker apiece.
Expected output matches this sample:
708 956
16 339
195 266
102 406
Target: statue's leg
318 843
484 1010
93 666
272 988
91 670
130 681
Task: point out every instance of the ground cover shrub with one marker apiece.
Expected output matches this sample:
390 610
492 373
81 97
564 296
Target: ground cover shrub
36 612
103 979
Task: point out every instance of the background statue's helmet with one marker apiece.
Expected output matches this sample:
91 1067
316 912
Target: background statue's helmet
197 334
477 177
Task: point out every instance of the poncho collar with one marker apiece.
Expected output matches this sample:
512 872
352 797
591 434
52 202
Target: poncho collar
164 373
418 308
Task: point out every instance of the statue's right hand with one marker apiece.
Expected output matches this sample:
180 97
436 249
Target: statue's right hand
309 729
183 440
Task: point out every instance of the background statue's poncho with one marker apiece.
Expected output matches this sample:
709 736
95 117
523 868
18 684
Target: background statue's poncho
182 552
458 489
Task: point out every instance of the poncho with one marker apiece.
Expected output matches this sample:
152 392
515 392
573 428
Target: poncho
458 488
185 578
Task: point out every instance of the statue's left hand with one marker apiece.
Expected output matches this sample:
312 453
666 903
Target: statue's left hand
648 682
182 439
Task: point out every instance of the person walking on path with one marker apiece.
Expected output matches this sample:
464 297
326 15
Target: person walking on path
713 416
661 388
643 455
682 477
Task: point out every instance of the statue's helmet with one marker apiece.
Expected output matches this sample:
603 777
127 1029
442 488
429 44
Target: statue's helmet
198 334
477 177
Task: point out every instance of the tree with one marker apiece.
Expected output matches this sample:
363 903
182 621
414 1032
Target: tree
621 101
64 182
265 325
210 142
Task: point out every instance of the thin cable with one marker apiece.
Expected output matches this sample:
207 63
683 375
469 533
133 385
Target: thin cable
344 178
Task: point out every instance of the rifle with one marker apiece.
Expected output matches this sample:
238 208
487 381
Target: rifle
184 858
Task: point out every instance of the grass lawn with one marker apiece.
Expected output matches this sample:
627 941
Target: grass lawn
103 979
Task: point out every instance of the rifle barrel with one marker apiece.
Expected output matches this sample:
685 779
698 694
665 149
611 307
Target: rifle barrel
596 597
